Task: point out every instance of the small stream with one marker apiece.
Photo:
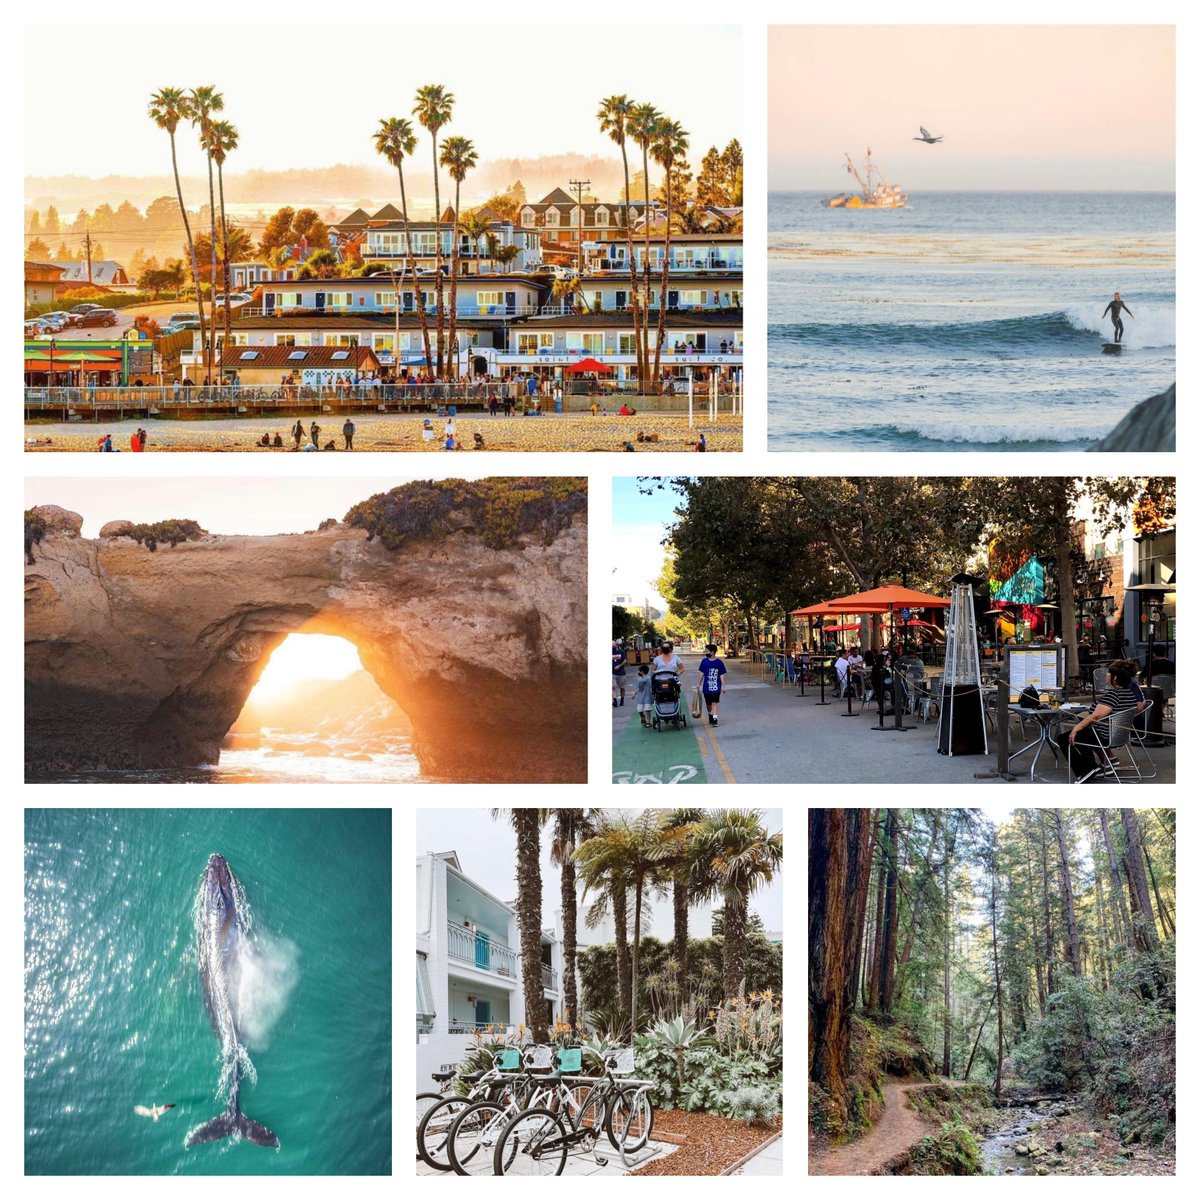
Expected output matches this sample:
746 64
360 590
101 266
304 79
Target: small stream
997 1149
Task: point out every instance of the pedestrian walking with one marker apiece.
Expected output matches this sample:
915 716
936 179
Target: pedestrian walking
315 433
645 696
712 682
348 433
298 432
618 674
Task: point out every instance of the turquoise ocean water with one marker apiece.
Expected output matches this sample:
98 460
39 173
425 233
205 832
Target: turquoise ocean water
113 1008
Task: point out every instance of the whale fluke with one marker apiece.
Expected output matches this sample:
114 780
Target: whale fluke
231 1123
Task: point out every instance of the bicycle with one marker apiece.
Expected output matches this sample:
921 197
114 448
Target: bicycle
537 1140
474 1131
433 1129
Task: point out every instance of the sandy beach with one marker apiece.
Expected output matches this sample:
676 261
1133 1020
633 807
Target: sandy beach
395 432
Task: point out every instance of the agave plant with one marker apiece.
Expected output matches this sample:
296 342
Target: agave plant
678 1036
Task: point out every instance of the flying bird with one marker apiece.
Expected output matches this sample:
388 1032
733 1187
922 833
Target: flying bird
927 137
155 1112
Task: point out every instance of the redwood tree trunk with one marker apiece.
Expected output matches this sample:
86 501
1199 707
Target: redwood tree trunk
887 955
1139 891
839 865
1118 889
1068 893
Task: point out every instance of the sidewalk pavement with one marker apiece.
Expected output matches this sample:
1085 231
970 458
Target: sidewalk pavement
586 1164
769 733
768 1161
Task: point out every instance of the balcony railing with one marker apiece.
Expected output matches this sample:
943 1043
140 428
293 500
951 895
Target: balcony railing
549 978
464 945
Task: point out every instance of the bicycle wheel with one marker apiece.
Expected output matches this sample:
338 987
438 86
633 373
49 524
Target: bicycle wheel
425 1101
630 1119
533 1143
593 1112
434 1130
472 1137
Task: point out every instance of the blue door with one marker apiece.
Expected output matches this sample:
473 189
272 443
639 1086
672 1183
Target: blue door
270 297
483 956
622 299
483 1012
510 302
320 301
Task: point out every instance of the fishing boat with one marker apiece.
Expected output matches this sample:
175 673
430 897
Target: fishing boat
875 191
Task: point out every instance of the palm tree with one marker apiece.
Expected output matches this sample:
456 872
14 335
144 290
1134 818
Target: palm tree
622 852
475 226
527 825
223 138
492 241
395 140
433 109
458 157
204 102
676 856
641 125
732 848
614 117
670 144
169 106
571 825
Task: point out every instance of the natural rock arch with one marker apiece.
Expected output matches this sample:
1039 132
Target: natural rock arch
137 659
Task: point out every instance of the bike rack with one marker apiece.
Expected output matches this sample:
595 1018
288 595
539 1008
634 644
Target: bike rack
643 1085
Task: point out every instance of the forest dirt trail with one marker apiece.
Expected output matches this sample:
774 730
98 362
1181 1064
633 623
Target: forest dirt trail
897 1128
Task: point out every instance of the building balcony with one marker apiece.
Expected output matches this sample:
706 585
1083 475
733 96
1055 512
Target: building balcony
476 949
549 978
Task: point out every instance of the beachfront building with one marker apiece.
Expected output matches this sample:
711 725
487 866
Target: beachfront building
469 963
563 222
384 243
719 255
309 366
98 273
697 343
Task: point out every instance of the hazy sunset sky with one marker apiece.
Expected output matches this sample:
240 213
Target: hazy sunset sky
312 95
247 506
1020 107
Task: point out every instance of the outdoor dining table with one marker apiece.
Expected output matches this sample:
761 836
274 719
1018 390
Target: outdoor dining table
1047 718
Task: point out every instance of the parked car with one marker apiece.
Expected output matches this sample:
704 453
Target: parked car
554 270
52 322
34 328
180 318
99 316
84 308
67 318
183 327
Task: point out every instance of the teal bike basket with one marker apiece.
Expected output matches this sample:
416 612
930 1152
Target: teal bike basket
570 1060
510 1060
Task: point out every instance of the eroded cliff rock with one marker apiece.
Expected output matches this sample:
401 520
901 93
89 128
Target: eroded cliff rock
138 659
1149 428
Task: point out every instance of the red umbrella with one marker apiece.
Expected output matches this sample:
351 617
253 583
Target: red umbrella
587 364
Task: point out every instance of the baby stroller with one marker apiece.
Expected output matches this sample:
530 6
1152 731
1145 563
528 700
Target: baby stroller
666 690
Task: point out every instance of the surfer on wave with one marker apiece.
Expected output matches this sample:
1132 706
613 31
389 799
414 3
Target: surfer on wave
1115 305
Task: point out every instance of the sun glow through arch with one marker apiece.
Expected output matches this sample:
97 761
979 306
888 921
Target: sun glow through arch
305 656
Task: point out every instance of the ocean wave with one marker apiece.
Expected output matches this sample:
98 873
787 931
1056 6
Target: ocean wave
964 433
1073 327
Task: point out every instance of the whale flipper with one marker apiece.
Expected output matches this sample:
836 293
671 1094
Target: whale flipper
231 1123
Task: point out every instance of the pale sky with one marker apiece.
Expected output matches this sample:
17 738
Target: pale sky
248 506
487 854
639 526
312 95
1066 108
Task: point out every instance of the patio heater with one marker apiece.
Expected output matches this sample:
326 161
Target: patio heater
961 728
1046 610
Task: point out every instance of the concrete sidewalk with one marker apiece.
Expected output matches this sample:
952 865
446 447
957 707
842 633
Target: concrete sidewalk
768 1161
580 1163
769 733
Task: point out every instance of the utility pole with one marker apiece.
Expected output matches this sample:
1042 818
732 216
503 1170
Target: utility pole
577 185
87 242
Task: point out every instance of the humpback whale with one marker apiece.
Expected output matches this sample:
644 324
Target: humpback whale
221 927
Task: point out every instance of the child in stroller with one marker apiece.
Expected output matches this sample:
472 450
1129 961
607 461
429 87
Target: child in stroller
666 690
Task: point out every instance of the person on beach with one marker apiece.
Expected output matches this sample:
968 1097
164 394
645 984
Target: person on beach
645 696
618 675
702 445
278 442
348 433
315 433
265 440
492 405
298 432
1115 306
712 682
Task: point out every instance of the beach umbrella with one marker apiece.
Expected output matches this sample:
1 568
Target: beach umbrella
587 364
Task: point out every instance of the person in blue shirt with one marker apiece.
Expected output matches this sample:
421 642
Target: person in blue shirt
712 682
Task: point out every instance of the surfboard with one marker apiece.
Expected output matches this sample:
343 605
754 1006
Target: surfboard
1112 347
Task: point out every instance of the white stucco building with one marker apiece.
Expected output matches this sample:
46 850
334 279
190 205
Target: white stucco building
468 963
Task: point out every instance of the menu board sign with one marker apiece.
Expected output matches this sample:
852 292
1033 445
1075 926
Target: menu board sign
1036 665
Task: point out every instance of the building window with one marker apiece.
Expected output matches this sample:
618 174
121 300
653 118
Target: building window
489 299
552 216
602 216
628 343
385 299
341 339
593 343
693 299
531 343
285 339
